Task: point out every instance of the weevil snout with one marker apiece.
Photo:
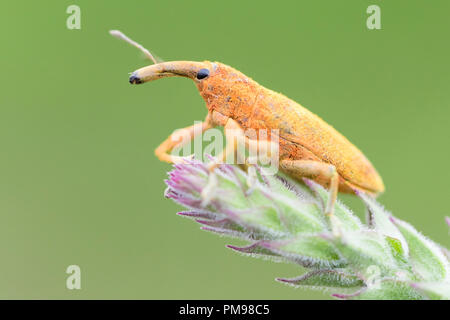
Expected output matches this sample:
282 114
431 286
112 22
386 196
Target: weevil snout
189 69
134 79
223 88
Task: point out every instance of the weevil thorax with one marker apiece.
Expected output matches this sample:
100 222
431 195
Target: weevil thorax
228 91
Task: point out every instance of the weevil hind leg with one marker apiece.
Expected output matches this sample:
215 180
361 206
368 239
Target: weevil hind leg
180 137
314 169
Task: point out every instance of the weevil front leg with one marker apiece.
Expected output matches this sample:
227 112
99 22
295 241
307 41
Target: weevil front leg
180 137
233 132
313 169
230 149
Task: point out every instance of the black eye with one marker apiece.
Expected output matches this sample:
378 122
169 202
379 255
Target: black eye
202 74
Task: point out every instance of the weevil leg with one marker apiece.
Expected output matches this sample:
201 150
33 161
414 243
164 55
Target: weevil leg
233 132
313 169
252 177
180 137
235 136
230 149
263 151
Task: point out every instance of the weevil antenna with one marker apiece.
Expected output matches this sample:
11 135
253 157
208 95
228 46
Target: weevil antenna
120 35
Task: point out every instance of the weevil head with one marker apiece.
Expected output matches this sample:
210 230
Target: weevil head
222 87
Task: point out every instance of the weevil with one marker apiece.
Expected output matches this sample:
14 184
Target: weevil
308 146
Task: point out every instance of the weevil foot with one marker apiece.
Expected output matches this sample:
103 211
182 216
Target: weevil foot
183 160
335 226
208 192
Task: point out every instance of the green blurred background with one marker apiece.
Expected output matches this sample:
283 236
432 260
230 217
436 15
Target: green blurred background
79 183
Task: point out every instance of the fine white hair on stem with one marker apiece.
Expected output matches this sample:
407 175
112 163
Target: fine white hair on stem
118 34
285 220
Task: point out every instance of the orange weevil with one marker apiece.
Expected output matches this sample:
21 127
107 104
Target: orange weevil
308 146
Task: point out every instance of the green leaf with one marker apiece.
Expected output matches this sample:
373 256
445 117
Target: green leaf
389 290
308 251
434 290
395 245
388 259
346 219
325 278
313 249
398 253
426 258
364 249
381 221
297 217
